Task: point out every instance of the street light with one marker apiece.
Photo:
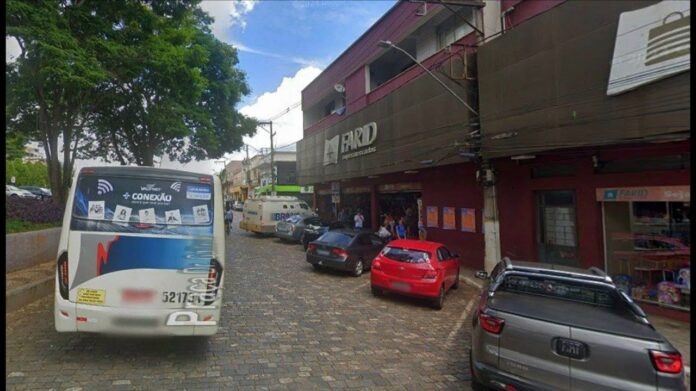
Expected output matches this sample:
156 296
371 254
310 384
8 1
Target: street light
388 44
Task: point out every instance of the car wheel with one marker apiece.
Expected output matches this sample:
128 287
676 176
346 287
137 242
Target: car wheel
437 303
456 282
358 270
376 291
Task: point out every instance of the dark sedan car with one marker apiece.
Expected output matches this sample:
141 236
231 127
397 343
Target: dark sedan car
345 250
313 231
37 191
292 228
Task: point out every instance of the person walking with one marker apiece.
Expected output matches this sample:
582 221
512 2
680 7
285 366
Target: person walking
229 217
359 220
401 229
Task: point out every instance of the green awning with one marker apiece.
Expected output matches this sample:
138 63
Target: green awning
278 189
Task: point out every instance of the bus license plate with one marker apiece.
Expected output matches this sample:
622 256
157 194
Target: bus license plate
180 297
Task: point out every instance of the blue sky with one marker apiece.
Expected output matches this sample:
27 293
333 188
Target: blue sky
289 35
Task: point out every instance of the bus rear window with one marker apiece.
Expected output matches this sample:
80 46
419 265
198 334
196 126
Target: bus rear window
138 204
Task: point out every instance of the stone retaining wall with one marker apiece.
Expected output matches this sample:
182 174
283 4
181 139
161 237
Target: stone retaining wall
27 249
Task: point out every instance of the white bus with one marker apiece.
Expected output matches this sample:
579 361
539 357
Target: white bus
141 251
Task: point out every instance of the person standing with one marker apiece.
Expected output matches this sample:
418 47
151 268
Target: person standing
359 219
401 229
389 223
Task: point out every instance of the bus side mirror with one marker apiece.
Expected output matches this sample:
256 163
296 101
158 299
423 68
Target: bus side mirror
481 275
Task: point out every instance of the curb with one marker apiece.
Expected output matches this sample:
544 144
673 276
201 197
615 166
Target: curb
471 282
25 294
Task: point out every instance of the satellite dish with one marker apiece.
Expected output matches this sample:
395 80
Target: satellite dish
339 88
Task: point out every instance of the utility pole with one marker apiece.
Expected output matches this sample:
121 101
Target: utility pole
270 124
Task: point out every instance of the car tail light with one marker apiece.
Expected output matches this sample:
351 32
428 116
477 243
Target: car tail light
667 362
491 323
214 276
339 252
311 248
377 265
430 274
63 276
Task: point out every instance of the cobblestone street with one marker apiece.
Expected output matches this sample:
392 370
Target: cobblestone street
284 326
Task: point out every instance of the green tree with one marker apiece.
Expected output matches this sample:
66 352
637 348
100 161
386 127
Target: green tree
27 173
50 85
173 92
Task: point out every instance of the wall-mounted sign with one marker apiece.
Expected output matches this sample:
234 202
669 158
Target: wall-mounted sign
350 144
431 216
399 187
448 218
468 220
651 43
655 193
306 189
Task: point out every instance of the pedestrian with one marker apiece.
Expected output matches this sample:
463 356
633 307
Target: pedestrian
229 217
384 233
401 229
359 219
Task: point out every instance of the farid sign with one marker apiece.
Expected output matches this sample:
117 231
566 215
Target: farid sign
351 144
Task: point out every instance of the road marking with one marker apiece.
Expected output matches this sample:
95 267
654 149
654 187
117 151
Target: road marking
471 282
460 322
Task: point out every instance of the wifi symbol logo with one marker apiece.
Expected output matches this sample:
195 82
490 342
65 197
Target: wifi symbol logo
104 186
176 186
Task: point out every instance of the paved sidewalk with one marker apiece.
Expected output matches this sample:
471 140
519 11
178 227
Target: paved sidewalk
678 333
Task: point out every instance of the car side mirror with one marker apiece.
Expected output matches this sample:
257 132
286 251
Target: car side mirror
481 275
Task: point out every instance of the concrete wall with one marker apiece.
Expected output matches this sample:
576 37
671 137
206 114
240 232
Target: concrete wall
27 249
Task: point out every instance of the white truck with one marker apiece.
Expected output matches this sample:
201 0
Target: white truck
260 215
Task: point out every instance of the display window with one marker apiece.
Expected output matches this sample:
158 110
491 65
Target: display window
648 249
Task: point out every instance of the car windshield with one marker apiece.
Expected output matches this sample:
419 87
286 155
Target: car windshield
406 255
293 219
557 289
336 238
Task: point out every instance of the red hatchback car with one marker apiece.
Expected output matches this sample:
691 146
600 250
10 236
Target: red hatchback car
415 268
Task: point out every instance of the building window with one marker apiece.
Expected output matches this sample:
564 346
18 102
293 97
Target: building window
648 248
454 28
556 228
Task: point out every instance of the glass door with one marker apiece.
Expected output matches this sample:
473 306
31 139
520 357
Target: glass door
556 228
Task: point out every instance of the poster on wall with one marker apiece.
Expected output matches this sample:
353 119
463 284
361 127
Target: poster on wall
448 218
432 216
468 220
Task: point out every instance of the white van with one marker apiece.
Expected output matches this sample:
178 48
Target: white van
260 215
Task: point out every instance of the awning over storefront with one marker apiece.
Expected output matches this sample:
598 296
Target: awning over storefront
283 189
649 193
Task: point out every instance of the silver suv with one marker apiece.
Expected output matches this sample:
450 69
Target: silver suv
547 327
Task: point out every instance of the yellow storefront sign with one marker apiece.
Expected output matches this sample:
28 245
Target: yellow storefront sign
91 296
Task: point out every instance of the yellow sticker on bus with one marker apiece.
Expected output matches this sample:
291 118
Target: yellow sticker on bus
91 296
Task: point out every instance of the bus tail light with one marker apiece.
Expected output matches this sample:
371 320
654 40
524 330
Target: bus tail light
63 276
214 277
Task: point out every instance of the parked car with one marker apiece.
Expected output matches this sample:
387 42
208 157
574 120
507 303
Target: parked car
549 327
415 268
15 192
293 227
344 249
238 206
37 191
313 231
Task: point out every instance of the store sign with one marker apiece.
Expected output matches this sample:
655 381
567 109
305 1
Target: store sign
351 144
652 43
656 193
306 189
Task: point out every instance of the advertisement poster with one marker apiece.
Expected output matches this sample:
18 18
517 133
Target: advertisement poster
468 220
432 216
448 218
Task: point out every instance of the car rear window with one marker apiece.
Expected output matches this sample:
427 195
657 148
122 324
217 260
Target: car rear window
406 255
549 287
337 238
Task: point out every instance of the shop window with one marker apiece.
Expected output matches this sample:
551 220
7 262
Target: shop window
648 248
557 170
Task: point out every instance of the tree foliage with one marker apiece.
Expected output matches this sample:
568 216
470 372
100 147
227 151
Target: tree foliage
124 81
27 173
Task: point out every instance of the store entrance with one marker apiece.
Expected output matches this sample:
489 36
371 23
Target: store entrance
351 203
398 205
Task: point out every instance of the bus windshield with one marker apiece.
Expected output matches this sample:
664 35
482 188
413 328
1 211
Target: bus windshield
142 205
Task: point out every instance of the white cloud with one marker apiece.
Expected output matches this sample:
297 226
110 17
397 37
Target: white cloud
227 14
12 49
297 60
